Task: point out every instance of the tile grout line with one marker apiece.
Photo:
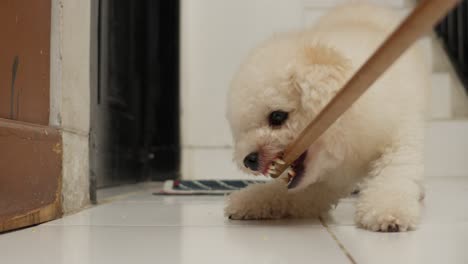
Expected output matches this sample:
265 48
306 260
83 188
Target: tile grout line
340 245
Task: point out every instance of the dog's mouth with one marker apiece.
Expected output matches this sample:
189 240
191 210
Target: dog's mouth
298 168
295 172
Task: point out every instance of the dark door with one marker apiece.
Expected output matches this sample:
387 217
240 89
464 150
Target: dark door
454 33
135 111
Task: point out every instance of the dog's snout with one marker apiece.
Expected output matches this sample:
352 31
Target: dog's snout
251 161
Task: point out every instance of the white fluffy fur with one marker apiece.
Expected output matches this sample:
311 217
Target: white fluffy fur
377 143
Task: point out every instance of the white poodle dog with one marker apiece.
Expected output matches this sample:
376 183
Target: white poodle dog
378 143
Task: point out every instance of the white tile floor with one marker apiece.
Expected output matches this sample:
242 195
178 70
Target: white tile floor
142 228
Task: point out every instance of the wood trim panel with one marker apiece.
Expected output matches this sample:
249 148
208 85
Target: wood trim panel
30 174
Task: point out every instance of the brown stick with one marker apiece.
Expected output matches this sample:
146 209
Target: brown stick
421 20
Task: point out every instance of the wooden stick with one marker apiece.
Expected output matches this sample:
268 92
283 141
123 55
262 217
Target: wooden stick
421 20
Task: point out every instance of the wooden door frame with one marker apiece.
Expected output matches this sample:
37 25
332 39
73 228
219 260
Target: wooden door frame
31 152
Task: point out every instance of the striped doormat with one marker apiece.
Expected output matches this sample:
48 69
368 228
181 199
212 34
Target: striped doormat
206 187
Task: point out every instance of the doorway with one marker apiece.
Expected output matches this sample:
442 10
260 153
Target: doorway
135 93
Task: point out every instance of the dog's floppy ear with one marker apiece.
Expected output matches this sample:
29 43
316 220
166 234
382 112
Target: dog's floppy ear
319 73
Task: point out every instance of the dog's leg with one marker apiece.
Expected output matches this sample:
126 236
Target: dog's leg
390 199
273 201
259 201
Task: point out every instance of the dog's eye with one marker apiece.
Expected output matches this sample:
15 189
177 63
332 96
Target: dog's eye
277 118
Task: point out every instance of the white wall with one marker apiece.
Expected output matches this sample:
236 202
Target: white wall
216 35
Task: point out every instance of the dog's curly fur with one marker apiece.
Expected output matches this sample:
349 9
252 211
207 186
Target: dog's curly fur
377 143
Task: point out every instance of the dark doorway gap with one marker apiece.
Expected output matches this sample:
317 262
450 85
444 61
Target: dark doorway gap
135 130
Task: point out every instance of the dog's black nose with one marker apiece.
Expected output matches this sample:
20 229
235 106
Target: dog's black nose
251 161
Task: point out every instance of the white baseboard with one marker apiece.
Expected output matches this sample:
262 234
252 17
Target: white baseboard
447 148
440 103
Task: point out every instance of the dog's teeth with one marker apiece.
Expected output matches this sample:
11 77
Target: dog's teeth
291 173
280 161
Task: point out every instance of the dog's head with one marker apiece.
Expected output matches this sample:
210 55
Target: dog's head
277 91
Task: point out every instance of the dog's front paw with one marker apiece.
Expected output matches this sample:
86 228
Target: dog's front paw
259 201
387 215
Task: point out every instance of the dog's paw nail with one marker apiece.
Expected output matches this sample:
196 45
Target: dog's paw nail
230 217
